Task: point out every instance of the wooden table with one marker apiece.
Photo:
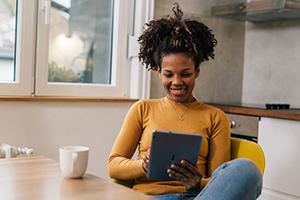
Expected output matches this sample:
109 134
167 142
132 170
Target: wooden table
40 178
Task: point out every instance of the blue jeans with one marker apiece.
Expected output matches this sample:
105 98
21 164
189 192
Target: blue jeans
239 179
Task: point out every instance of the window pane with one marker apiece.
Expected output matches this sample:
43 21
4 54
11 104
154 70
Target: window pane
80 41
7 39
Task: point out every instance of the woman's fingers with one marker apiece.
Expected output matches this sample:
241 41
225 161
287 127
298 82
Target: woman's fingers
176 174
189 175
146 161
187 169
191 168
179 173
145 158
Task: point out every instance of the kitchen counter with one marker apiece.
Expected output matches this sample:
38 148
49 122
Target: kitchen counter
291 114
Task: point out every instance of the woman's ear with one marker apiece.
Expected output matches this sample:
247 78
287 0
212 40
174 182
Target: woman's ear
198 71
159 73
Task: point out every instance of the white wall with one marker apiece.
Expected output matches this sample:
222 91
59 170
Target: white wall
46 126
271 63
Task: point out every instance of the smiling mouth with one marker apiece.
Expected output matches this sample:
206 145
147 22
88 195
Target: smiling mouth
177 91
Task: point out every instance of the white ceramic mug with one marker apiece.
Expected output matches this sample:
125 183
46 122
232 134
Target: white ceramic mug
73 161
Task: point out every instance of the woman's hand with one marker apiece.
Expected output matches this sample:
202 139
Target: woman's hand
190 176
146 160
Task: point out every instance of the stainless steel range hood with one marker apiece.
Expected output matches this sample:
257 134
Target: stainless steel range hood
258 11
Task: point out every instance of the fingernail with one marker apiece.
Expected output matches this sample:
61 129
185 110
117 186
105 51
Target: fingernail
182 162
143 156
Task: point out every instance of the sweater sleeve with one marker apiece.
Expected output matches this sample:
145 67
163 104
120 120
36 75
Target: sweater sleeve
120 164
219 145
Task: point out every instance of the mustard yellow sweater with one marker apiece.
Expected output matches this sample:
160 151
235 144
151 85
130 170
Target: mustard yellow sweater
146 115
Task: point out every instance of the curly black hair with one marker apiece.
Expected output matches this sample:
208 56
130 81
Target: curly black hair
170 35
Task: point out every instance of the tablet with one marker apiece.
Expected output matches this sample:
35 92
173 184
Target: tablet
169 147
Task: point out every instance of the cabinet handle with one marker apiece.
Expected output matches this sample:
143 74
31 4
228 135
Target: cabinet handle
232 124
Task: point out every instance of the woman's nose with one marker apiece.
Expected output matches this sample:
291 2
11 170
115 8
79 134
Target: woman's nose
177 80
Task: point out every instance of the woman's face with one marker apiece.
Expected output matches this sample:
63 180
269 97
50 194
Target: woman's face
178 76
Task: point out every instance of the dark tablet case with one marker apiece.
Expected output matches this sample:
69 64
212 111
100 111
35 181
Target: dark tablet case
170 147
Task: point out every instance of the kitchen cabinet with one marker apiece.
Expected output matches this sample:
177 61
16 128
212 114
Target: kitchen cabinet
279 137
280 141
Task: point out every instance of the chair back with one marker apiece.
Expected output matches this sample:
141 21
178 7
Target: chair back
241 148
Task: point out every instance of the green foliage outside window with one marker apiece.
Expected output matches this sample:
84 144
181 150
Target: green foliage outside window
61 74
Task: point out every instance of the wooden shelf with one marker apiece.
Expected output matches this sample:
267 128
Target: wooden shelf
292 114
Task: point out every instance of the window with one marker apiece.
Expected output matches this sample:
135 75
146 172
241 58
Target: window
80 39
17 77
75 48
7 40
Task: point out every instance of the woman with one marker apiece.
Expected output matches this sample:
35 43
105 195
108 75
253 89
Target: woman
175 48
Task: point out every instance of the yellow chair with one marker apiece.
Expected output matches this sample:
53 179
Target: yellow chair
239 148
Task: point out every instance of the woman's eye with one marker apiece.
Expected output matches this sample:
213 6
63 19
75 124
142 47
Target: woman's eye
186 75
168 75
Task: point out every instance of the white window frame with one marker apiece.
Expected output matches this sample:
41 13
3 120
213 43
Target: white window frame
140 76
118 81
129 80
25 52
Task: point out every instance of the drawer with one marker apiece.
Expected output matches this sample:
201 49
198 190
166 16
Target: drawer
243 124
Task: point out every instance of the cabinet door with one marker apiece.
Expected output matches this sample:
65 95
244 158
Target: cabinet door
280 140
